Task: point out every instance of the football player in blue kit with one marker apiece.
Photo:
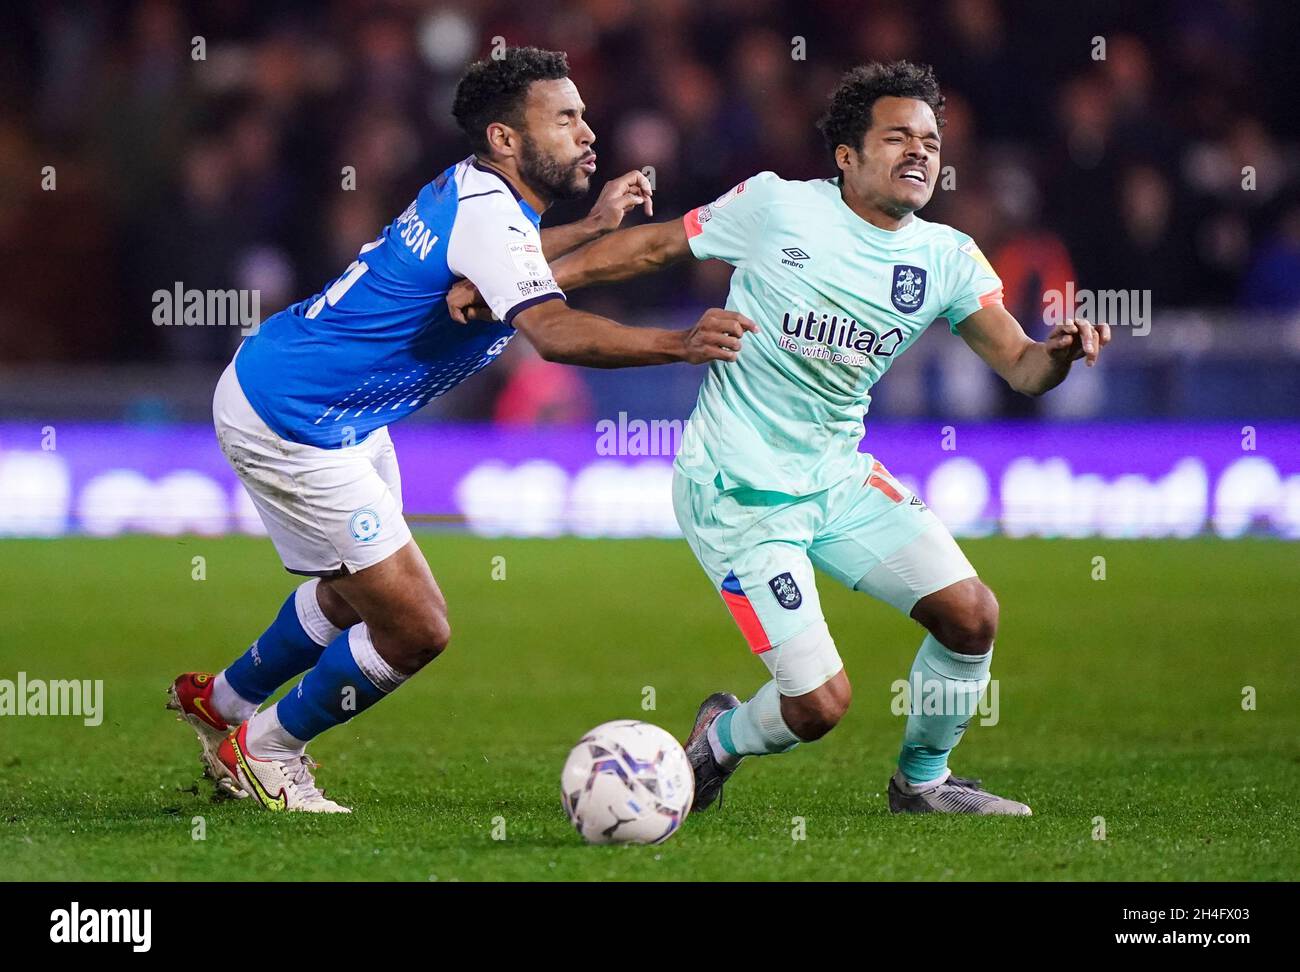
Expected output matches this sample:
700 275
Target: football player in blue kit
302 413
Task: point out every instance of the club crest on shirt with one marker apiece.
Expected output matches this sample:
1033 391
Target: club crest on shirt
786 591
908 291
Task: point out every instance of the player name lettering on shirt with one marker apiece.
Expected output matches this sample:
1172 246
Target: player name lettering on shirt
419 239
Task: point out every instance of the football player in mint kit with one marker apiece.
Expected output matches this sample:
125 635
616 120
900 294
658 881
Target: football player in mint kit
840 277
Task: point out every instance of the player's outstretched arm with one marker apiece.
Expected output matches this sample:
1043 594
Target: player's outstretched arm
628 253
562 334
620 255
1031 367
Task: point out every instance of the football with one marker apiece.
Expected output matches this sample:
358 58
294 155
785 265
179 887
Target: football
627 782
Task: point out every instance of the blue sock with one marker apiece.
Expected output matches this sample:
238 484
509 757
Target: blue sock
291 645
349 678
945 689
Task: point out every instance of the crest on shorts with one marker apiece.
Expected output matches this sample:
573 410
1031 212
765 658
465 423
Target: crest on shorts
364 525
786 591
908 293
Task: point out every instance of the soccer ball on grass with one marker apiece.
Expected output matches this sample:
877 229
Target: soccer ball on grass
627 782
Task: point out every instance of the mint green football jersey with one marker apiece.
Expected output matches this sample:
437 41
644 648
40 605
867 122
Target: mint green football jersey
836 300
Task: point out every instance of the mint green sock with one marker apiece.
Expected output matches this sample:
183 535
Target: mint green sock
945 691
756 728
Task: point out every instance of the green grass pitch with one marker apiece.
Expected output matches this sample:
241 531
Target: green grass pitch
1119 698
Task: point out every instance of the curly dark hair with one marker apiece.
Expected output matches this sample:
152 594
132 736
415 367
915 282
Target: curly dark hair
849 116
493 90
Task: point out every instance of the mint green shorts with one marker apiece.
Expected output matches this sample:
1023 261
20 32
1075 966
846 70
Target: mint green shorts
759 548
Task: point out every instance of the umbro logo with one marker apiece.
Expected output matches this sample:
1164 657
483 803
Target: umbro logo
794 257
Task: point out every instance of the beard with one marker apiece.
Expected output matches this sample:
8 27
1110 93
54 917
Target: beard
552 179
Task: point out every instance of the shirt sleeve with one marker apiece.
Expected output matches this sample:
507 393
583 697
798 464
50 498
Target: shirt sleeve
726 228
499 250
976 284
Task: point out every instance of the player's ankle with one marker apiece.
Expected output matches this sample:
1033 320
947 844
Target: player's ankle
723 756
268 739
229 705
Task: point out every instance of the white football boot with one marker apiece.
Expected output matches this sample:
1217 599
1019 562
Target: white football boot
275 784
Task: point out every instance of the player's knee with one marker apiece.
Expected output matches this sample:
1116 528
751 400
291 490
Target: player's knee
971 622
813 715
436 635
422 638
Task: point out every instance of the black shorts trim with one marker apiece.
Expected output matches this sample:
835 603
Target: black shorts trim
322 574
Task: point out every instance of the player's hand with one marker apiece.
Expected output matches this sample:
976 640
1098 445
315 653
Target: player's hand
1078 339
466 304
619 197
716 336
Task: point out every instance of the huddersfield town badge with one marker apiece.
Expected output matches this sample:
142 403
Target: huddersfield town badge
786 591
909 288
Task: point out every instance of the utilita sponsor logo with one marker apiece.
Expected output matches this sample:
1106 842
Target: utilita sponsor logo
843 332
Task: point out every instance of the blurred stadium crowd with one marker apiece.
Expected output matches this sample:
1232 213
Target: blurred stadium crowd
226 172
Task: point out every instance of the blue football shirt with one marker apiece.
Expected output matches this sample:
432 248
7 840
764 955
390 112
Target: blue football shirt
378 342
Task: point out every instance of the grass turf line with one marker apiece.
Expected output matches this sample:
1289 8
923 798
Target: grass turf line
1119 699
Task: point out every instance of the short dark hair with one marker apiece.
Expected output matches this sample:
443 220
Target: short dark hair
494 89
849 116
